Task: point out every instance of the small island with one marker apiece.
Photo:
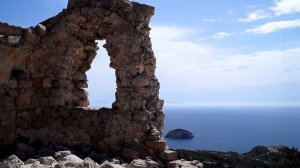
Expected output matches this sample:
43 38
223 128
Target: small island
179 134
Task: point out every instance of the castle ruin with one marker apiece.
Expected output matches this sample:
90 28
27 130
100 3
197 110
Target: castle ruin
43 76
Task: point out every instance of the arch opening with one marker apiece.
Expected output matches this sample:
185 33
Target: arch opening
101 80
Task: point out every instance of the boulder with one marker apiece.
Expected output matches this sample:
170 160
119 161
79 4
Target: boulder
59 165
138 163
150 163
61 154
110 165
87 163
12 162
49 161
169 155
184 163
70 160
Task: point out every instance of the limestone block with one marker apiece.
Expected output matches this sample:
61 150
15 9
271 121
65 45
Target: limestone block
61 154
141 115
156 144
40 29
24 84
56 101
184 163
151 164
12 92
80 76
110 165
13 39
169 155
13 161
49 161
13 84
140 81
47 83
138 104
30 37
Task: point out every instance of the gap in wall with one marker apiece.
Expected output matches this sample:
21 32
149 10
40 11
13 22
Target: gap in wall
101 80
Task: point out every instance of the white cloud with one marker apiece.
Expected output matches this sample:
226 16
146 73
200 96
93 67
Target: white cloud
286 7
256 15
252 6
280 7
209 20
275 26
230 12
221 35
196 72
187 69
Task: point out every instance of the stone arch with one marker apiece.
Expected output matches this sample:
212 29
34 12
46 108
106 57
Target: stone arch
128 46
48 102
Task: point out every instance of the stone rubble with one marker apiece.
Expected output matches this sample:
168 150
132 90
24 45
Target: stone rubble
185 164
65 159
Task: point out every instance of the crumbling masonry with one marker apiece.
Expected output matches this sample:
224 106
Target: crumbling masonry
43 76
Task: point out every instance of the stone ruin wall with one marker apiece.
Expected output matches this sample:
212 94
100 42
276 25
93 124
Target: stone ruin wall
43 76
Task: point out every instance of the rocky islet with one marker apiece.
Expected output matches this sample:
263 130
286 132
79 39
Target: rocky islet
179 134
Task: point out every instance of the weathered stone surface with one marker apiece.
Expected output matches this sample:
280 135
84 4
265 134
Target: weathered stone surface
140 81
70 160
110 165
61 154
151 164
59 165
156 144
14 39
43 73
40 29
130 154
87 163
47 83
169 155
49 161
138 163
12 162
184 163
31 161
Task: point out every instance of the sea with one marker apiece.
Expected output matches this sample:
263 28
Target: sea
235 129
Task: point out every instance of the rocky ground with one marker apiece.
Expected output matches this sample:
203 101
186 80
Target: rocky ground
48 158
65 159
257 157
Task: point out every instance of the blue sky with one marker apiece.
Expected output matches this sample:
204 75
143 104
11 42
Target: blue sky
209 52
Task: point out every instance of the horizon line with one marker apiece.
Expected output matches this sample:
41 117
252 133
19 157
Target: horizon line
219 104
